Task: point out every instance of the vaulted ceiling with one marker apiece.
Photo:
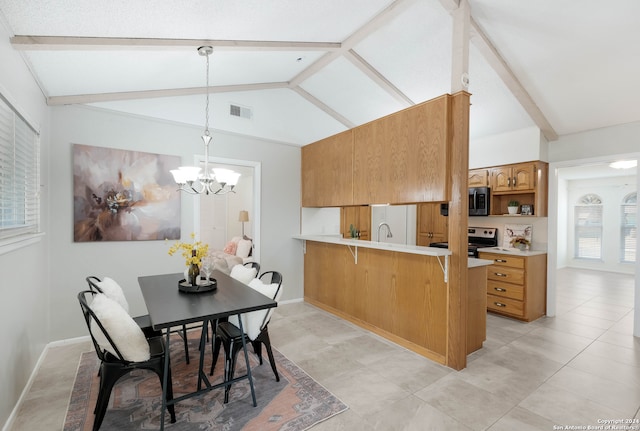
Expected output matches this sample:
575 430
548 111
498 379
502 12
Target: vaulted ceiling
304 70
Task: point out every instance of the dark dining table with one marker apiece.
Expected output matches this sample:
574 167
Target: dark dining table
169 307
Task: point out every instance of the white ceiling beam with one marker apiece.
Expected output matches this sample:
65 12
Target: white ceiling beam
174 92
378 78
67 43
363 32
322 106
497 63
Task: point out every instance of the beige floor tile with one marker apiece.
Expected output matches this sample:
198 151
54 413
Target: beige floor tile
465 402
409 370
623 397
521 420
565 408
566 370
413 414
605 368
365 391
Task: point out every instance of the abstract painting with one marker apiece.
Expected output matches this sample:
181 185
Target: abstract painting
121 195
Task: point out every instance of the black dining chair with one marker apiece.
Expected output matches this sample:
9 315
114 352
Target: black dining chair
144 322
114 366
230 337
255 265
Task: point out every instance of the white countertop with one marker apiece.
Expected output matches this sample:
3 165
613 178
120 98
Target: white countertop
475 262
402 248
512 251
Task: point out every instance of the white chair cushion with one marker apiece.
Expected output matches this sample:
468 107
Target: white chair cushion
113 291
252 321
244 248
123 330
243 273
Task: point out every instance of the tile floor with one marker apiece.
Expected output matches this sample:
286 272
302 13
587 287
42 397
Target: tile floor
576 369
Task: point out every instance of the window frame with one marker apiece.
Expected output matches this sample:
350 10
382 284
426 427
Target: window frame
20 206
630 200
589 200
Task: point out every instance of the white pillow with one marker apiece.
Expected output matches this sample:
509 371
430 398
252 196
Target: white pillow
244 248
123 330
252 321
243 273
113 291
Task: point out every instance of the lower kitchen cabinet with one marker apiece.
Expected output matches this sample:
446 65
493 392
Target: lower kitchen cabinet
517 285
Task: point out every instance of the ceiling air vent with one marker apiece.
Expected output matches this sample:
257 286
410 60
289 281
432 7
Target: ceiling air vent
240 111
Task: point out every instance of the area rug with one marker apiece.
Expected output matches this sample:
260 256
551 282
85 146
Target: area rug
295 403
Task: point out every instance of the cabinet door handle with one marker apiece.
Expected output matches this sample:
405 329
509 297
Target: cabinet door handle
509 181
514 181
500 304
499 289
501 260
499 274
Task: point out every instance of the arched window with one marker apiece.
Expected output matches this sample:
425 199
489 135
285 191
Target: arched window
588 227
628 228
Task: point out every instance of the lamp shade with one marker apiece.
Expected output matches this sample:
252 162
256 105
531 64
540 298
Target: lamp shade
244 216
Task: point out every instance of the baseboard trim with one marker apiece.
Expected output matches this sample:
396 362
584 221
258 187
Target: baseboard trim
14 413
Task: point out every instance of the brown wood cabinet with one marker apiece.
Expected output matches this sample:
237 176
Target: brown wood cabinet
476 308
526 183
479 178
431 225
327 171
519 177
400 296
403 157
359 217
517 285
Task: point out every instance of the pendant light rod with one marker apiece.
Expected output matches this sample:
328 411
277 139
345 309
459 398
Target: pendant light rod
189 178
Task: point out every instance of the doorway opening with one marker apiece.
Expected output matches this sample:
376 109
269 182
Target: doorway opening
562 213
218 216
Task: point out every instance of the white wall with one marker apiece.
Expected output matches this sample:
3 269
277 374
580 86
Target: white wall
125 261
512 147
604 142
24 309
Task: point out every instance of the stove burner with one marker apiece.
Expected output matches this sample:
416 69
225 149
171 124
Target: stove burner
479 237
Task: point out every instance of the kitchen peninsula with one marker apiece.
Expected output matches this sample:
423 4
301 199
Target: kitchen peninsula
416 155
397 291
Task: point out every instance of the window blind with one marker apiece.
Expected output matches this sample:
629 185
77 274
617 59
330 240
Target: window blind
19 175
588 231
628 229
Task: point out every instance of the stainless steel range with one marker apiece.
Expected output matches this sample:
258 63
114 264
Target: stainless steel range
479 237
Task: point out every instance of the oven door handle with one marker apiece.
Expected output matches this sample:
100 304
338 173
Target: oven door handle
475 200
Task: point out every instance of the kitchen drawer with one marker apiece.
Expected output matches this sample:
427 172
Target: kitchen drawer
504 259
505 290
505 305
506 274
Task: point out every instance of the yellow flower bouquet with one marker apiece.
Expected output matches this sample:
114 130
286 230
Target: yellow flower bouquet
188 249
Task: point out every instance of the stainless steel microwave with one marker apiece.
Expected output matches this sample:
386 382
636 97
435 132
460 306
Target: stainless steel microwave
479 201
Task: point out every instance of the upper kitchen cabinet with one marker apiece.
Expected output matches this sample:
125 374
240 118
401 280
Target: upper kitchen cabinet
519 177
526 183
327 166
479 178
403 157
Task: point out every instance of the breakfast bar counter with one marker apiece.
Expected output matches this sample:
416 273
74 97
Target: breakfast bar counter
394 290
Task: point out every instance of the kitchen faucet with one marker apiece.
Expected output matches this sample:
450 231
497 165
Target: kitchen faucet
389 234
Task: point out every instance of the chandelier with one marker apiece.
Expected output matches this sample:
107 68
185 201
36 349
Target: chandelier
217 181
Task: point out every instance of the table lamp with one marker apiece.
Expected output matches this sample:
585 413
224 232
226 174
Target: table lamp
243 217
